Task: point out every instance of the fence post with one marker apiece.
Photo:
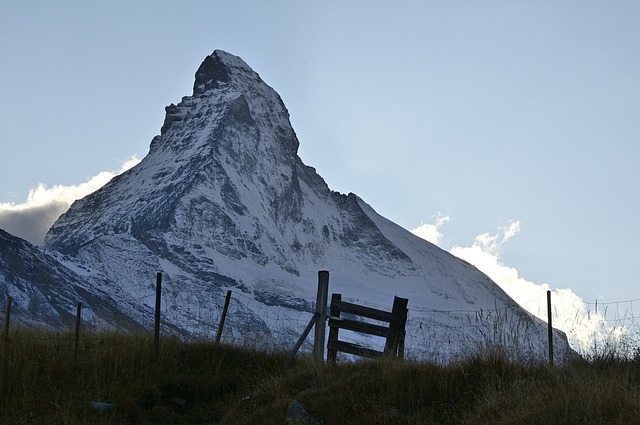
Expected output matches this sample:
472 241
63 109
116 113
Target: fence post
7 318
396 326
77 338
156 330
549 328
595 334
223 317
5 351
321 309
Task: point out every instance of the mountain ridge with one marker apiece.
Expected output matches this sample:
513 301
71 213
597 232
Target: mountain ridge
222 200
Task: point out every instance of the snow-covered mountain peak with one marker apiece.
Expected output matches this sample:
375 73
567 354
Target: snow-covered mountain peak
231 140
221 68
222 200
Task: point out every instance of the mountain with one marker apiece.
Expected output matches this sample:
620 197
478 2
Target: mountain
222 201
45 291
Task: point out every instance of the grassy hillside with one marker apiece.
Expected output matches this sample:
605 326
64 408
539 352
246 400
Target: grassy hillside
194 383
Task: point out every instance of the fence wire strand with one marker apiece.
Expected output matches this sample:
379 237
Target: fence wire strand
590 327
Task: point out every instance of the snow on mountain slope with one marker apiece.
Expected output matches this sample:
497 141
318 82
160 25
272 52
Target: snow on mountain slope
223 201
45 291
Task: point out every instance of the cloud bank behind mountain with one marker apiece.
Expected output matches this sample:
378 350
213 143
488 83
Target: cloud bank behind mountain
32 218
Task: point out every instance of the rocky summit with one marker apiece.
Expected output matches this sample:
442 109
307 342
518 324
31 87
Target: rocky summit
223 202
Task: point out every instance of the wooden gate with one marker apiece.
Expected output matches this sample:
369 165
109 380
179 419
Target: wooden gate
394 332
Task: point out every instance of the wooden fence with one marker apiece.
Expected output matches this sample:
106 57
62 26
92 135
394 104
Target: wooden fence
394 332
338 318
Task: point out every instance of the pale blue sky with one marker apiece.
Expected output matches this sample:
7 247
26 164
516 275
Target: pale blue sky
485 112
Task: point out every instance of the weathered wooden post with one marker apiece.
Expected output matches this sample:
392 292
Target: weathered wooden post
77 336
156 330
5 350
549 328
396 326
321 309
223 317
307 329
595 334
7 318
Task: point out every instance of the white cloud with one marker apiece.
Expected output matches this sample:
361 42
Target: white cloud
32 218
431 232
570 313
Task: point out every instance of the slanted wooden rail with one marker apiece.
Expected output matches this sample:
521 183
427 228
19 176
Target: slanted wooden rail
394 332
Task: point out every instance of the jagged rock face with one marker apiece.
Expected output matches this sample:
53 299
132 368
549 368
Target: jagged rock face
44 291
224 178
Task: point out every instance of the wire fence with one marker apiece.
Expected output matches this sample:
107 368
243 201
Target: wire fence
598 328
592 329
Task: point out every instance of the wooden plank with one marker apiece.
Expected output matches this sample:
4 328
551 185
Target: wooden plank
361 327
350 348
306 331
358 310
333 331
223 317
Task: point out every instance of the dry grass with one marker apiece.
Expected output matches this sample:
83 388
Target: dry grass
194 383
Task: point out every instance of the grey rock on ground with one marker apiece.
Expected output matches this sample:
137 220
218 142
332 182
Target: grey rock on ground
298 415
